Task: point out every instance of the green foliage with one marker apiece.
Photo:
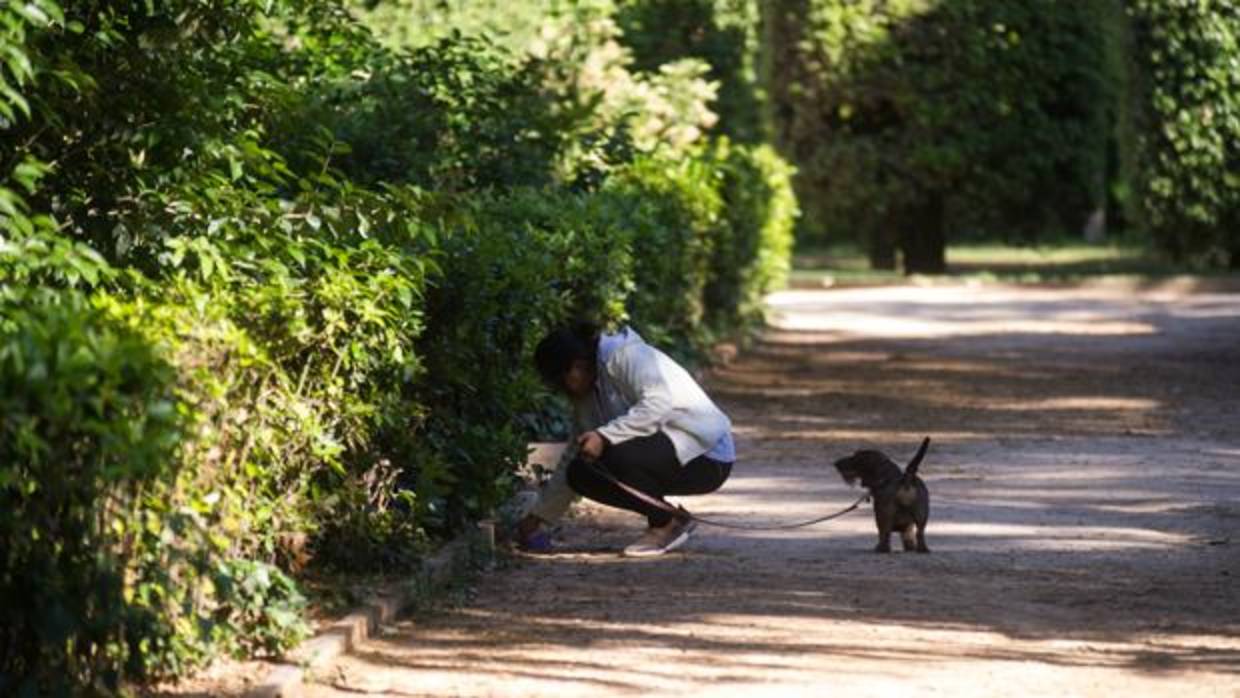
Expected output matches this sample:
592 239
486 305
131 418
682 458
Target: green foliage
673 209
371 523
714 231
90 430
601 107
269 288
911 118
514 25
459 114
38 256
514 264
721 33
253 443
20 172
1189 150
265 601
143 451
752 257
103 109
614 109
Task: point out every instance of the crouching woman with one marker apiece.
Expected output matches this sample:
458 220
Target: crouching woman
639 417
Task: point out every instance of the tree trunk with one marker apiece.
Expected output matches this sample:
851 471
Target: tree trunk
882 246
924 240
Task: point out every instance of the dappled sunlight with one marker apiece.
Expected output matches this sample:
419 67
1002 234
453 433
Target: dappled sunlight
1204 307
1061 537
860 437
860 390
502 652
947 312
1055 510
1081 403
1015 494
872 325
1082 521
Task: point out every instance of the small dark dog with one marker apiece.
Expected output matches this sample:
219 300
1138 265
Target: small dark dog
901 500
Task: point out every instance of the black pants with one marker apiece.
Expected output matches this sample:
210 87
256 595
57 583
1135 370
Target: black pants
647 464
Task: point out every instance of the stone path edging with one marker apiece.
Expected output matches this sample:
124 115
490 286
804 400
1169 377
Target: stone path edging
286 680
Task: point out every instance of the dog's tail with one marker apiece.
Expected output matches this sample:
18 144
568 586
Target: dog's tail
911 469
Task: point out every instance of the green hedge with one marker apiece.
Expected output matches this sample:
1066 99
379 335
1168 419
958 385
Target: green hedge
296 329
273 394
512 265
673 209
752 257
1188 150
117 497
89 434
403 120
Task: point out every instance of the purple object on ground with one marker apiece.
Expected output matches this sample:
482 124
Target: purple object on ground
536 542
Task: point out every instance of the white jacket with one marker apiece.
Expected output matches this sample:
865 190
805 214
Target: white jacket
639 391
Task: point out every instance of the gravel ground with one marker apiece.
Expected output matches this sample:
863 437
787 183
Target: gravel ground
1085 525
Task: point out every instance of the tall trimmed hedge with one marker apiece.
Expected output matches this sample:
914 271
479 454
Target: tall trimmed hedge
89 433
129 537
1187 57
268 292
311 391
754 256
713 232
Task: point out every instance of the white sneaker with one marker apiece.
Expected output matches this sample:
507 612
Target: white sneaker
656 541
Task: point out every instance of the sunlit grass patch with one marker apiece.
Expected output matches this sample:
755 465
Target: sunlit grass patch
1053 262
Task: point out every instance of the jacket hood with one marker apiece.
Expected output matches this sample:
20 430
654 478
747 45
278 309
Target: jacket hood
610 343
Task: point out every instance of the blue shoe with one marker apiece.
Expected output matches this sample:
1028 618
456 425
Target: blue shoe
536 542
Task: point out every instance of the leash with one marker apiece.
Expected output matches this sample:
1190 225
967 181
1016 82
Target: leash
682 512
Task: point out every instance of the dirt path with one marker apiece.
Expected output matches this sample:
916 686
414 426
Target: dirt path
1085 481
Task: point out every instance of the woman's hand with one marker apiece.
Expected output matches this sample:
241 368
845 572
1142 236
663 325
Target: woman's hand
591 445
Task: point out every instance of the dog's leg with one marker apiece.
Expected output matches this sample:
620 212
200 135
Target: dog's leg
921 533
908 538
883 517
923 515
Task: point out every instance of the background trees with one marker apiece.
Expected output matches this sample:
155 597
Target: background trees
915 121
1185 57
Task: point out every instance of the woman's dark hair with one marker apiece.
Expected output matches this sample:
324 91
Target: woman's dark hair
557 351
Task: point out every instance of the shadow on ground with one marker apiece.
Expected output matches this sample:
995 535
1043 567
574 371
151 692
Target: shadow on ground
1085 479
